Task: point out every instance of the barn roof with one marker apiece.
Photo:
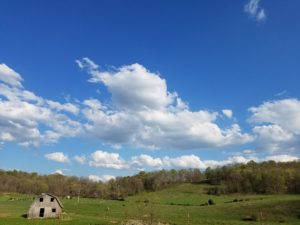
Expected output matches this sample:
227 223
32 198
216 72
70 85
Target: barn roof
57 199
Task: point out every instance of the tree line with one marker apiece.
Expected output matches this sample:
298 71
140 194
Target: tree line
119 188
265 177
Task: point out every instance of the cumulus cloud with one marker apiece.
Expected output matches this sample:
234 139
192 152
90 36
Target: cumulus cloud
282 158
185 161
107 160
228 113
67 107
141 113
285 113
58 157
277 125
80 159
193 161
28 119
145 114
147 162
60 172
9 76
102 178
115 161
253 9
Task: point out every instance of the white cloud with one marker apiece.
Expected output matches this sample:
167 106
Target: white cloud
282 158
107 160
273 138
228 113
261 15
143 162
67 107
185 161
277 125
285 113
146 161
142 113
253 9
134 116
9 76
103 178
249 152
145 114
86 63
58 157
110 160
231 160
132 87
60 172
93 104
80 159
28 119
6 136
249 155
181 162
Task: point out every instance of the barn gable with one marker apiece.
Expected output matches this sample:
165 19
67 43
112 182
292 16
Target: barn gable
45 206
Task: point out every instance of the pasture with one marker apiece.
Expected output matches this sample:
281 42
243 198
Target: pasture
184 204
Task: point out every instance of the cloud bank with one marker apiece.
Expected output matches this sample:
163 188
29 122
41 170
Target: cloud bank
28 119
277 125
108 160
145 114
141 113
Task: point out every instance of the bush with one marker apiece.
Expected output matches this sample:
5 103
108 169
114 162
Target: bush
211 202
252 217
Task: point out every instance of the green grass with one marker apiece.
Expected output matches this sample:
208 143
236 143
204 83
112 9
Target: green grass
180 205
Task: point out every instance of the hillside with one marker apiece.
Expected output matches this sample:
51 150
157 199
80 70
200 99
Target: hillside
180 204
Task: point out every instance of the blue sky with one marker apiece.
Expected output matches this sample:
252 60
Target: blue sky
131 85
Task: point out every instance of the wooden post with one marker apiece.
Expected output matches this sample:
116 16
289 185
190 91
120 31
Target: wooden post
78 196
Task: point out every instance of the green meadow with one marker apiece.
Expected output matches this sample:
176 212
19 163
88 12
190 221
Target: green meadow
184 204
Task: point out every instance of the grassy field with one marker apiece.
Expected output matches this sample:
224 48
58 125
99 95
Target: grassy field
181 205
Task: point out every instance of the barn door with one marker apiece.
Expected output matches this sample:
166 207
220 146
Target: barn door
42 211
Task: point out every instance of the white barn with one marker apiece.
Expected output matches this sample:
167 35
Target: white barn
45 206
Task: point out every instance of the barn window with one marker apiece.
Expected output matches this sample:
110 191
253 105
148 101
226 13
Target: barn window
54 210
52 199
41 199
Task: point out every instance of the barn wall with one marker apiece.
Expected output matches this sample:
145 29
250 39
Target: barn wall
34 211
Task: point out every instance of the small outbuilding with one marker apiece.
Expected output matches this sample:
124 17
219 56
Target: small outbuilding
45 206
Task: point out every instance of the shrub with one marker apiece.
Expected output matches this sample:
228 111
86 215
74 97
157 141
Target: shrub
211 202
251 217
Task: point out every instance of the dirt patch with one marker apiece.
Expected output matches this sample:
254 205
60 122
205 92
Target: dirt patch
4 215
140 222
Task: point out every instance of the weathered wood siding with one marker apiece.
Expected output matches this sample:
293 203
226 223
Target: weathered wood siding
34 211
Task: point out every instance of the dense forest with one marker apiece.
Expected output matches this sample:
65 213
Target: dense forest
265 177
